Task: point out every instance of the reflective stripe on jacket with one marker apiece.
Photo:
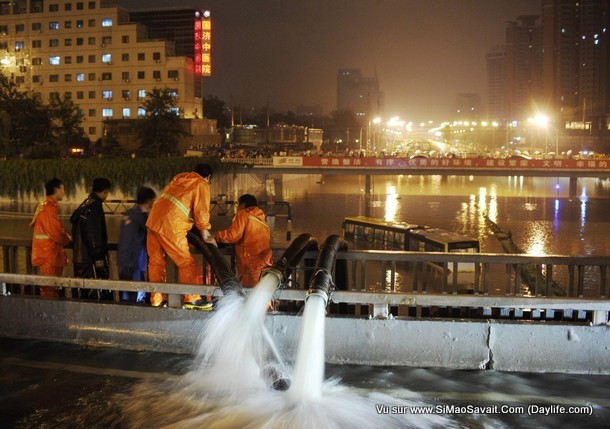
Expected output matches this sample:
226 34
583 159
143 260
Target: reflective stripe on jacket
185 200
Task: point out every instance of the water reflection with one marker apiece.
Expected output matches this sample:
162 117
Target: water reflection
391 203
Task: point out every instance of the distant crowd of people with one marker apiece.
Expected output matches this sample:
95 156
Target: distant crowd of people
153 228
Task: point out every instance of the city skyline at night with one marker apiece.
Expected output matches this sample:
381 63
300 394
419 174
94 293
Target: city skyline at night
288 53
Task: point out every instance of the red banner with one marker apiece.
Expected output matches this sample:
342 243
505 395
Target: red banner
467 163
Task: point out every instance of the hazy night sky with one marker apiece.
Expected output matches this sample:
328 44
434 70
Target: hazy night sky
289 51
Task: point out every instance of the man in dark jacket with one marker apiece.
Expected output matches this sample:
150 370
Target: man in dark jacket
131 256
90 238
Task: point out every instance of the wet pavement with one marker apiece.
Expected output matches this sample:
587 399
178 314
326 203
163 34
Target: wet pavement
55 385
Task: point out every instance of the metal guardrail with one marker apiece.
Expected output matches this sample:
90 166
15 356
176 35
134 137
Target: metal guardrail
406 281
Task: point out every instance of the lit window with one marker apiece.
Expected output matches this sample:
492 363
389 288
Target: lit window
80 77
106 22
174 110
107 113
173 92
141 93
54 25
106 58
126 112
54 61
79 23
19 45
107 94
141 112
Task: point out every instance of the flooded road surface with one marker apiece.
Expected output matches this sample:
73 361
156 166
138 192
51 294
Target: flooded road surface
52 385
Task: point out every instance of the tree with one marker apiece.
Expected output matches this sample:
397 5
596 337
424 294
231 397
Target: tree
66 119
162 129
29 124
215 108
340 122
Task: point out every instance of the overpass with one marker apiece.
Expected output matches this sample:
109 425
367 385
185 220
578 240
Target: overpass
368 166
428 166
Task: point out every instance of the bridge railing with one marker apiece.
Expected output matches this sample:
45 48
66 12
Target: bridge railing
406 284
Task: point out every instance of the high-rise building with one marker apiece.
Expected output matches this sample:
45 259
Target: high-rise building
174 25
496 84
467 106
92 52
358 93
523 67
577 61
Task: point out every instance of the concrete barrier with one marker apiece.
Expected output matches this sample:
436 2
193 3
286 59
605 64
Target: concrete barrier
504 346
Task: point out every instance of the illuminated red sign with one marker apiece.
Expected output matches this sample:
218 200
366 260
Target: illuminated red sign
203 44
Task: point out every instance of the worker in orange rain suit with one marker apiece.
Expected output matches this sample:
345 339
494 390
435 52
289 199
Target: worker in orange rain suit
185 201
49 237
251 236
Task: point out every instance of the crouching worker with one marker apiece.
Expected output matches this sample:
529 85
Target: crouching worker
131 254
250 235
185 201
49 237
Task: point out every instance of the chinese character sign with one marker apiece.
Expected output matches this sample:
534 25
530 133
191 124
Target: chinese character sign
203 45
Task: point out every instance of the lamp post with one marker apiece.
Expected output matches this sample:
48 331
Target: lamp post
543 122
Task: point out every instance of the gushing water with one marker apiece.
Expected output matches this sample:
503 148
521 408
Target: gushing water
230 386
309 365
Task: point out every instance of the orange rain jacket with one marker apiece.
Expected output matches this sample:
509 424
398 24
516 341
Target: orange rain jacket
49 237
251 236
186 200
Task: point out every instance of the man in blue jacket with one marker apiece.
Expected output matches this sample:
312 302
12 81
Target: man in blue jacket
132 259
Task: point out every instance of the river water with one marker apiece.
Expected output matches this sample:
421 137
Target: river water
537 211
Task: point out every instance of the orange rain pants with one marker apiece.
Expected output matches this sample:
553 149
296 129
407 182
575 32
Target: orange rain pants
177 249
49 270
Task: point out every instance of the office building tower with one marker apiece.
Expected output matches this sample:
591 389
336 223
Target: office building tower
358 93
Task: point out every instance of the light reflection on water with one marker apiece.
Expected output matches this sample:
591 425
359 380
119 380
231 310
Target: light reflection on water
540 216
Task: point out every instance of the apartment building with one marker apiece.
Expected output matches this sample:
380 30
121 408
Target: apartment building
91 52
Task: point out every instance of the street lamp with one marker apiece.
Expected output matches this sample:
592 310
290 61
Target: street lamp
542 121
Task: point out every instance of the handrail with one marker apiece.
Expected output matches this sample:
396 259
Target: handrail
599 308
581 273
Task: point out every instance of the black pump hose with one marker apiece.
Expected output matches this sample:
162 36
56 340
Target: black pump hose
322 279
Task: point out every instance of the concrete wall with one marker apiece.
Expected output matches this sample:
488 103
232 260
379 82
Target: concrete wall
504 346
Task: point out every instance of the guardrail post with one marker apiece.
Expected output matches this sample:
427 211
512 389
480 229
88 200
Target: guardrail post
581 281
603 280
600 317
